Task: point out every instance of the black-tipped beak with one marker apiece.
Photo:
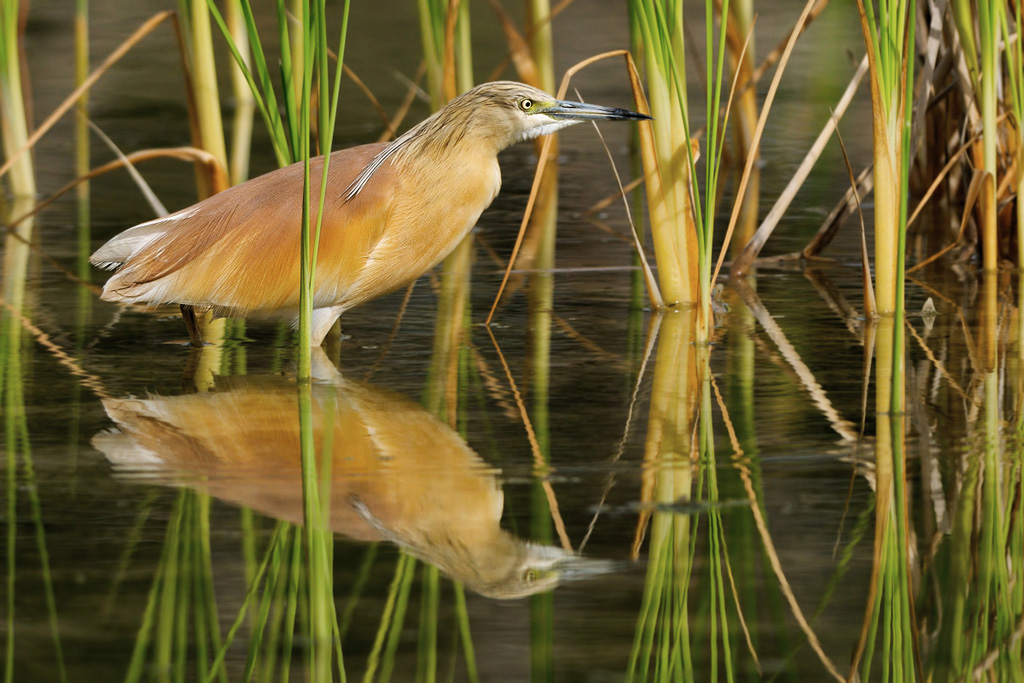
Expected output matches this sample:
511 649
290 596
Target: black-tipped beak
581 111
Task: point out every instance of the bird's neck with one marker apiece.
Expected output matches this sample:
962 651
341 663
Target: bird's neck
452 132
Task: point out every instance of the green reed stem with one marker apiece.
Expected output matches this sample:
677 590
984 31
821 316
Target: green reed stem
274 599
1015 80
18 444
279 531
84 268
247 521
301 120
292 604
132 542
204 75
542 606
12 535
165 617
259 625
718 550
659 31
643 638
358 586
890 41
988 30
9 375
430 602
432 15
395 632
465 633
385 620
142 638
661 35
315 49
82 105
328 115
178 635
12 102
906 653
245 105
386 642
291 135
208 597
263 92
318 578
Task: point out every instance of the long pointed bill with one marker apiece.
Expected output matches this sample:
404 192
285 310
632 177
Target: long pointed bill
581 111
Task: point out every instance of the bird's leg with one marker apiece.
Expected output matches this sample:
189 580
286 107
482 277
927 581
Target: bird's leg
323 320
194 333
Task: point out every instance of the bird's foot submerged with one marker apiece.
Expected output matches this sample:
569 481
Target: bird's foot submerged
195 334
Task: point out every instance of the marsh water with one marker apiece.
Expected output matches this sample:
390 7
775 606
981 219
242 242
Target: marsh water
539 521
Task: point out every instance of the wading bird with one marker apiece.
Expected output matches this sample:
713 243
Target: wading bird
392 212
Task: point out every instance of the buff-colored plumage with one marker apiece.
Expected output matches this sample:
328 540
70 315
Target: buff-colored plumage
392 212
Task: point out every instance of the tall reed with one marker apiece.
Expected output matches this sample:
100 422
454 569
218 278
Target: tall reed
744 115
84 270
15 121
180 629
978 27
290 129
542 606
889 37
17 445
304 66
1015 103
682 210
245 106
540 243
658 30
206 89
988 30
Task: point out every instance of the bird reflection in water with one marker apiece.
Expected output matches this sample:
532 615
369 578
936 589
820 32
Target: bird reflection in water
399 474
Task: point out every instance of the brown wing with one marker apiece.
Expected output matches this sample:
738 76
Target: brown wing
239 250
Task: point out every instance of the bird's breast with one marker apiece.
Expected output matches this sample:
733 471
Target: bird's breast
430 211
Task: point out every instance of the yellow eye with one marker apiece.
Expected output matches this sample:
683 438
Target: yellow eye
530 577
525 105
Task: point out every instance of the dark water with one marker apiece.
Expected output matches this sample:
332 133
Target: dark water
141 491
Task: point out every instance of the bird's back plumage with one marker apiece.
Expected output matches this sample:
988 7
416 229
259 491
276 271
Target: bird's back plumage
206 255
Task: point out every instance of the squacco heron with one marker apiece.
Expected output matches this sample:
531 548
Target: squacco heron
392 212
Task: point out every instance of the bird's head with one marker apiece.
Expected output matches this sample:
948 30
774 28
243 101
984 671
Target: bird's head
506 112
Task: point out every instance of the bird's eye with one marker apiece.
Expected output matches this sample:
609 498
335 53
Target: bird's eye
526 105
530 576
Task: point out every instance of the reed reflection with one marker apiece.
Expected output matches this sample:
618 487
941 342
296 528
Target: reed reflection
399 474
